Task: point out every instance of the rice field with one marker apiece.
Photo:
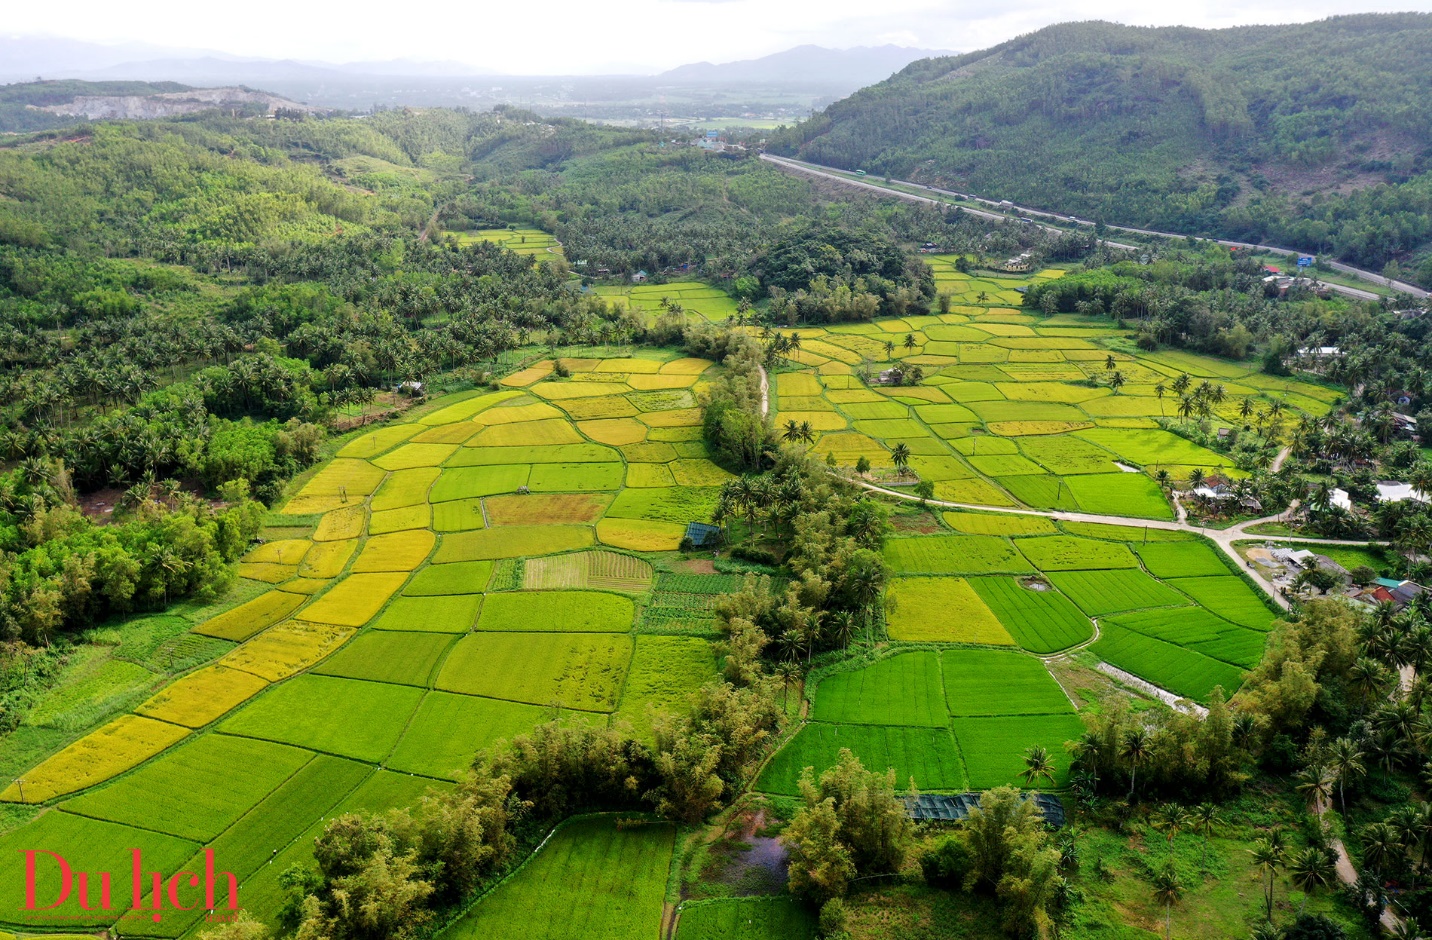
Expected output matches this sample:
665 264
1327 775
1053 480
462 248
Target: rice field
757 918
592 880
458 577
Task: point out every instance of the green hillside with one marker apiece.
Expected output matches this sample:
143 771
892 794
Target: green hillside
1315 135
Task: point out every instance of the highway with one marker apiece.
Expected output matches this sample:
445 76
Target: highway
1006 213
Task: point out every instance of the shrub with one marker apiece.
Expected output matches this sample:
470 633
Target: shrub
948 864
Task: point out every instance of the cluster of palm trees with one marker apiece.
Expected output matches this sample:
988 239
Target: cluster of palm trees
760 498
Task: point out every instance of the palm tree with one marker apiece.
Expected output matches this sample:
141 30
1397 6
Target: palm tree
1313 869
900 454
807 432
791 432
1109 361
1169 818
1168 891
909 341
1345 761
1316 784
889 349
1205 816
1087 748
1268 856
1160 390
1381 845
1116 381
1195 478
1135 747
1037 764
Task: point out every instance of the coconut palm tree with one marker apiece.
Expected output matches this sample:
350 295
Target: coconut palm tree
1116 381
1168 891
1037 765
1169 818
1313 869
1316 784
1268 857
909 343
1345 762
900 454
1205 817
1135 747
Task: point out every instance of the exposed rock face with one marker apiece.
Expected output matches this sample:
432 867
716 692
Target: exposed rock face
171 104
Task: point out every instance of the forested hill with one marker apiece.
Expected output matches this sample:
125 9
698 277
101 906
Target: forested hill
1314 134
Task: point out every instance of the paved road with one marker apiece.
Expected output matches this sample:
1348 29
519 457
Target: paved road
1007 211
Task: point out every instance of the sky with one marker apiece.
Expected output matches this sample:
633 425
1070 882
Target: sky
640 36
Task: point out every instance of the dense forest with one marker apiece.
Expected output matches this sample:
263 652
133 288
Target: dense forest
1313 135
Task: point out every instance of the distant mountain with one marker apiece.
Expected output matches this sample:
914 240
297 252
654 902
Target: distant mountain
25 58
814 65
1316 134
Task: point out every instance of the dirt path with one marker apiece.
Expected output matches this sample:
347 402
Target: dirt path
765 393
1278 460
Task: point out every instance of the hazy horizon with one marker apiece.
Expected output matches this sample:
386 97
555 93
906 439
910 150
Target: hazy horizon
634 37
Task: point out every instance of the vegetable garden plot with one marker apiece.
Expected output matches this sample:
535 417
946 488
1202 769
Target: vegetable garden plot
1229 597
557 612
900 690
386 656
446 613
665 671
242 622
1099 593
353 601
930 755
467 482
954 554
1121 494
994 748
198 698
346 717
1040 621
513 541
464 577
1181 671
197 790
992 682
756 918
287 649
397 551
611 571
89 845
1008 523
538 509
1068 553
584 671
591 881
1182 560
940 610
108 751
449 729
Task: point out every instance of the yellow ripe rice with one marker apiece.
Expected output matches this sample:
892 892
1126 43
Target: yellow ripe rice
279 552
354 600
244 621
527 376
456 433
641 535
697 471
514 413
397 520
406 488
615 431
327 560
198 698
287 649
267 573
466 408
651 383
685 367
340 524
410 456
396 551
679 418
125 742
553 431
629 366
375 442
649 475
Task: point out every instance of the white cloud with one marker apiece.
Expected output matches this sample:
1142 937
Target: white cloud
571 36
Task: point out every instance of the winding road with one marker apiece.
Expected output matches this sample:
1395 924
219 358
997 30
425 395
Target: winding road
1009 212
